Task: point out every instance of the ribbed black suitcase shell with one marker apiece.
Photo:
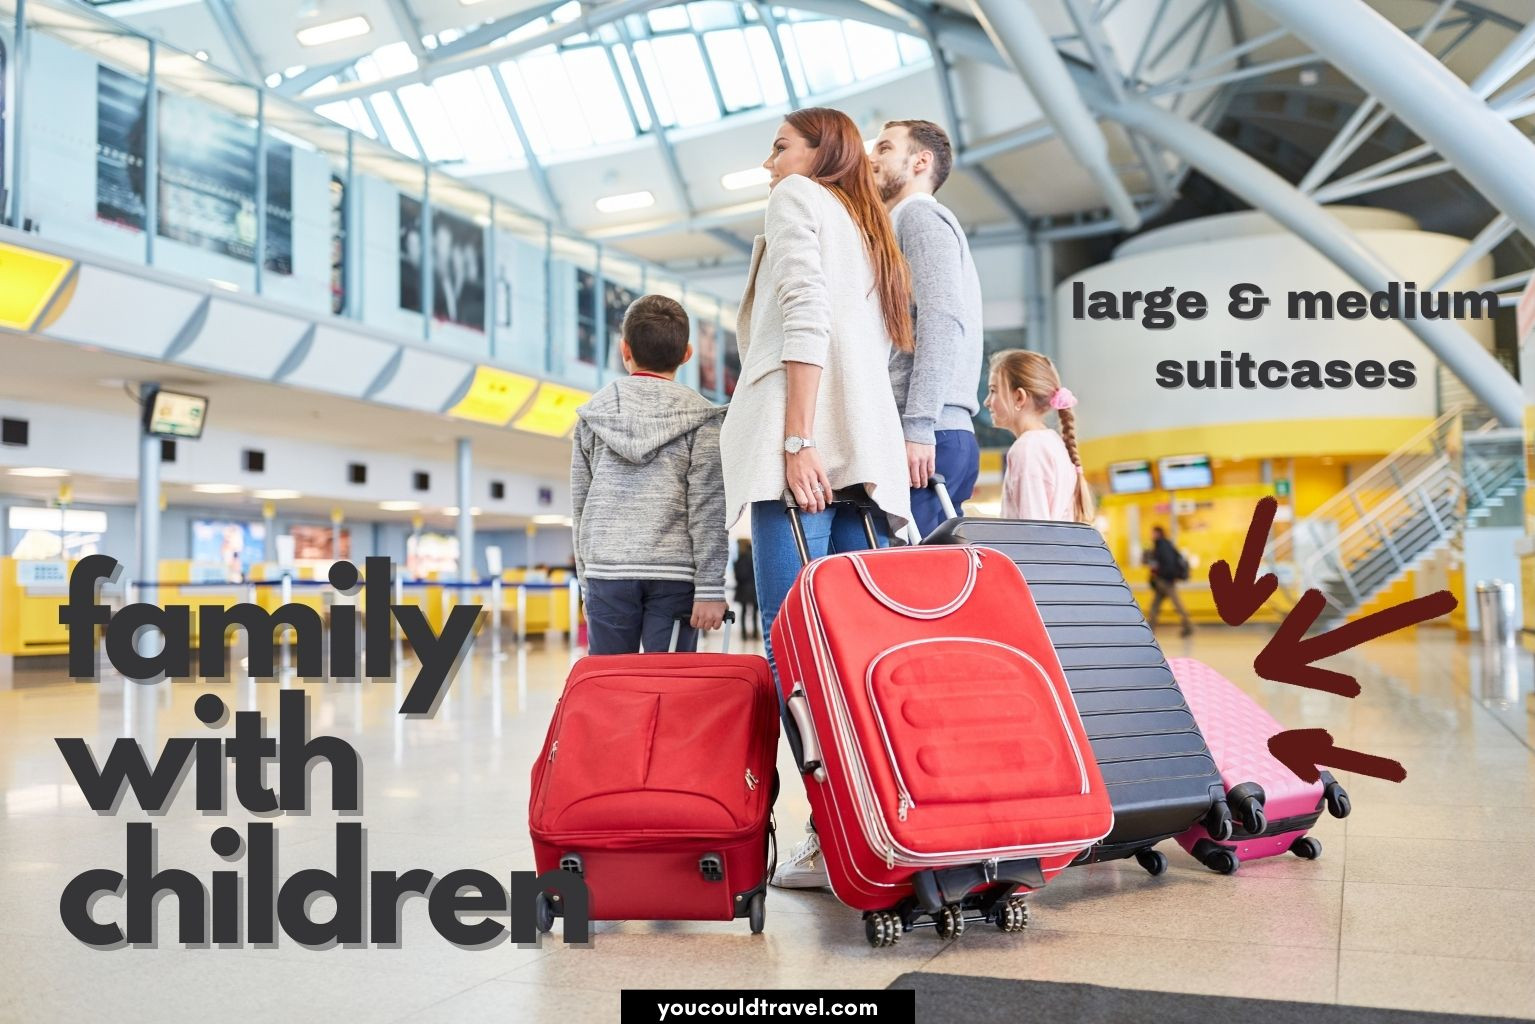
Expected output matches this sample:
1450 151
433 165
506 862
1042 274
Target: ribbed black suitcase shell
1160 775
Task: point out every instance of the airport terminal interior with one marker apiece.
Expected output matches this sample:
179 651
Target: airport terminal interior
285 283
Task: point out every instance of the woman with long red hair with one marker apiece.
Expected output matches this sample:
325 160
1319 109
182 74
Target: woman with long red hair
826 298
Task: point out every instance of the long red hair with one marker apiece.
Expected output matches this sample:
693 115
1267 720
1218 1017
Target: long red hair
842 166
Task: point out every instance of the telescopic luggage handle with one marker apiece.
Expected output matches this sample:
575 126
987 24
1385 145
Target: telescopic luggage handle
939 486
730 617
861 502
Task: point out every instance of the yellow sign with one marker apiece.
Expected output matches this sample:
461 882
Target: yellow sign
337 516
553 412
28 280
66 494
268 509
494 396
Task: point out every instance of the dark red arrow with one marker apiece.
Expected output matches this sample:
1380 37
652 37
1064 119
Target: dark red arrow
1288 656
1303 750
1239 595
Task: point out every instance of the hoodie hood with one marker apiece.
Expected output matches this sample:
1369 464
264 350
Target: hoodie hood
637 416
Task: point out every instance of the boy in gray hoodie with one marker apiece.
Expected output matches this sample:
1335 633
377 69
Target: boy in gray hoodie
649 495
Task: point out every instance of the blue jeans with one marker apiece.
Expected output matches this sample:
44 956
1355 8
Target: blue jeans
958 459
839 528
621 614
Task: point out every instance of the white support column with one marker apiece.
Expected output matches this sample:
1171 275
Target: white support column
148 518
466 567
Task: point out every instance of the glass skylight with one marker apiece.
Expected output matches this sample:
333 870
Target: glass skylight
700 62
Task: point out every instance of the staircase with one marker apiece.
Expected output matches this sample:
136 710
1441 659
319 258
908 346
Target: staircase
1406 508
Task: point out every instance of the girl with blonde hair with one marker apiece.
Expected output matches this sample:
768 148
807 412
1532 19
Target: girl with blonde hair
1044 472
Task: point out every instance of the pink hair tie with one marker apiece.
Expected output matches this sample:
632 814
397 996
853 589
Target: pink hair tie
1062 399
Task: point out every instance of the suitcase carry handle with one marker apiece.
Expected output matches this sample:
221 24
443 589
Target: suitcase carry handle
797 526
810 747
730 617
939 486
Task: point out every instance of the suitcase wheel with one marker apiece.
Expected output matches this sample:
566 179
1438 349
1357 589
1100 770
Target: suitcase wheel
882 928
1013 915
949 922
1223 861
544 908
1337 801
1306 848
757 912
1253 819
1153 861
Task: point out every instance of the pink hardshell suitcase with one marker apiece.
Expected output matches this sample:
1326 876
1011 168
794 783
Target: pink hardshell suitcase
1272 807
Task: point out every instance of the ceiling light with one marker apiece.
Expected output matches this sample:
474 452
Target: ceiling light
746 179
470 3
626 201
276 494
39 472
452 510
550 520
201 55
217 488
273 80
400 506
334 31
228 286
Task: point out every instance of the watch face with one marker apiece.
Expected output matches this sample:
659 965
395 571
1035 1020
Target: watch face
792 445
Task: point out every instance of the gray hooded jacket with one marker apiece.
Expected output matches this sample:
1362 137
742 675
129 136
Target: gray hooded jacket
646 486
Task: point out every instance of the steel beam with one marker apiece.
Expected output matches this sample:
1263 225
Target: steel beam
19 92
1486 240
998 192
1266 191
668 154
410 27
1017 33
765 15
535 166
228 23
152 155
1494 155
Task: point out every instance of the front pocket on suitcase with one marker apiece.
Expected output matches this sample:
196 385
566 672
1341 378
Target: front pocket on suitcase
972 721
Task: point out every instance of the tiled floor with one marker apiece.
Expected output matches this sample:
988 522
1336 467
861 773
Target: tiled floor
1424 898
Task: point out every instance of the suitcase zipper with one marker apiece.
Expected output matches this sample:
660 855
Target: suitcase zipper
751 780
554 748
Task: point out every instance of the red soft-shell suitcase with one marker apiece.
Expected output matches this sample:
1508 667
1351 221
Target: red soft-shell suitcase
656 785
946 765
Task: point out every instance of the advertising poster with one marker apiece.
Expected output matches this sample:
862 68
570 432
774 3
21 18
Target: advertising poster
339 227
586 317
207 186
458 265
706 348
235 545
317 543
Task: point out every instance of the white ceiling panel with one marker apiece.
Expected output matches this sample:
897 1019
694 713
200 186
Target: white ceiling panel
340 362
237 337
124 313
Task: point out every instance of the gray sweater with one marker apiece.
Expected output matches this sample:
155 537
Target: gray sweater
646 486
936 385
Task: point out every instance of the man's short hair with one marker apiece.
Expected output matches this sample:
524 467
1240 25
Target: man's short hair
929 136
656 329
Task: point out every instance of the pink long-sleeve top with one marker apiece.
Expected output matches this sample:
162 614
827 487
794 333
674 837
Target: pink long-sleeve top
1041 481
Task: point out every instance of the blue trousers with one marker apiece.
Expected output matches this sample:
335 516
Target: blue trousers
958 458
622 614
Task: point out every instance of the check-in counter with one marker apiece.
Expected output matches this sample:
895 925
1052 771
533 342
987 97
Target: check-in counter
31 594
197 585
1525 549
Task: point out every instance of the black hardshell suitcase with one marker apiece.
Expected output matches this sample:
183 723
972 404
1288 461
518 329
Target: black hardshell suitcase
1160 775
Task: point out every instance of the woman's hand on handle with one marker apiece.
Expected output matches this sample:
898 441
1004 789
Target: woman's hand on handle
807 480
921 463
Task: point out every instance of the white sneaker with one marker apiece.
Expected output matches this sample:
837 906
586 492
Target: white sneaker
804 869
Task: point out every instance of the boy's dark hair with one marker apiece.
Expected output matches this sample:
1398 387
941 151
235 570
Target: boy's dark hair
656 329
929 136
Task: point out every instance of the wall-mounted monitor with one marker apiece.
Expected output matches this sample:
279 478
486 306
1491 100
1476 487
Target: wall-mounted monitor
1185 472
1132 477
175 414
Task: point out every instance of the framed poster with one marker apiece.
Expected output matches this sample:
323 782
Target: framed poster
458 265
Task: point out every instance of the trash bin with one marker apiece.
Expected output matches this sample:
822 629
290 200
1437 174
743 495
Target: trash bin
1495 612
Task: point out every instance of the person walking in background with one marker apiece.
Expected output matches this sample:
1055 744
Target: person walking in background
1043 478
934 383
1168 568
647 495
827 296
746 589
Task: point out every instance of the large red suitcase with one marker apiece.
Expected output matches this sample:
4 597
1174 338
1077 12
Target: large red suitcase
1274 808
946 765
656 785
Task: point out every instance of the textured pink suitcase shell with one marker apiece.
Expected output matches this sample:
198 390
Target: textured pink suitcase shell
1237 731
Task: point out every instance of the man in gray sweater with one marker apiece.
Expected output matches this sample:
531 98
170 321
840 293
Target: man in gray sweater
648 495
937 384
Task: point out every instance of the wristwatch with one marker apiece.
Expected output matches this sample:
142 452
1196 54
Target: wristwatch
792 444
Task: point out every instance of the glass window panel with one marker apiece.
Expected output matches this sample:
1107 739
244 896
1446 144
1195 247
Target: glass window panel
631 86
360 115
527 110
395 132
873 49
468 112
523 31
708 15
597 92
765 61
395 59
367 70
791 56
732 62
669 19
340 112
645 57
499 115
685 79
823 51
567 12
914 50
554 100
430 121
